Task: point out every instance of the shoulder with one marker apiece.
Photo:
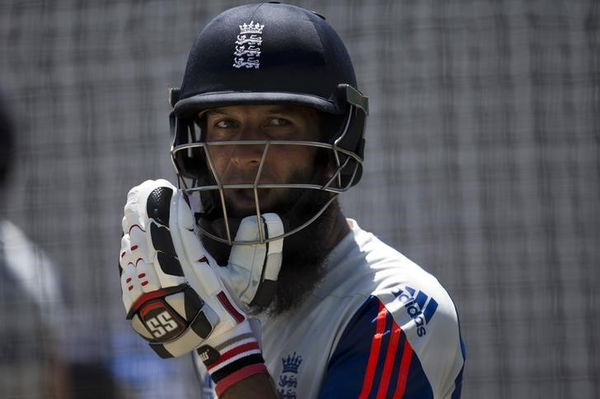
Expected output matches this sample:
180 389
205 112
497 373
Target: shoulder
363 265
407 329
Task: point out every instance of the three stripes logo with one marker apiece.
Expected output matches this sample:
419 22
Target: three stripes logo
419 306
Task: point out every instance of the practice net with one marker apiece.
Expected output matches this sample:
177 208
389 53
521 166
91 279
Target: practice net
481 165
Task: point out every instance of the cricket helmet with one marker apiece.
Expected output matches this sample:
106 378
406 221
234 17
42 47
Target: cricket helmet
263 54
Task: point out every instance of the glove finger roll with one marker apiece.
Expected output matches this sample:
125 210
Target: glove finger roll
253 269
147 277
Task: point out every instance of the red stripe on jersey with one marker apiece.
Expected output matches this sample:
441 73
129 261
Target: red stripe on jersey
225 302
407 353
389 362
374 353
234 352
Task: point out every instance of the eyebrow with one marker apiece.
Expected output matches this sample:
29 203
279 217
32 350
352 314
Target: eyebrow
213 111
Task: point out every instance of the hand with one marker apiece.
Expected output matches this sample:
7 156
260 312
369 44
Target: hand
252 270
172 295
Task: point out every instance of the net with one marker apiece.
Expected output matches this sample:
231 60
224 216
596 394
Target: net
481 165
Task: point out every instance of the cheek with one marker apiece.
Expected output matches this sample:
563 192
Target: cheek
217 159
292 161
224 158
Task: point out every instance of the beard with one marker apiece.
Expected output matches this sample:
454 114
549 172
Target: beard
304 252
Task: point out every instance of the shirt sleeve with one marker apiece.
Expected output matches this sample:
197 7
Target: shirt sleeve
379 353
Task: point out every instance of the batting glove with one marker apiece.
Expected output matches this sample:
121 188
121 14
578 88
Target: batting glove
252 270
175 298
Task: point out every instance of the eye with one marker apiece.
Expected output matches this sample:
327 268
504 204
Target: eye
226 124
278 122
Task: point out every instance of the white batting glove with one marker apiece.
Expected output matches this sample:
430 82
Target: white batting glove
252 270
171 294
175 298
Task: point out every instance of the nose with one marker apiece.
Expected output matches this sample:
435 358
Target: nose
246 154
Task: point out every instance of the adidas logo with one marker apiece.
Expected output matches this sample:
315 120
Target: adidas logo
419 306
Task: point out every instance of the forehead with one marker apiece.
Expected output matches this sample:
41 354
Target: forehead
297 111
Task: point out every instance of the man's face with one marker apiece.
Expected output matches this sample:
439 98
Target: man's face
283 164
304 251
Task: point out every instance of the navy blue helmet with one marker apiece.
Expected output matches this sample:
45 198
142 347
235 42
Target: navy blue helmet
268 53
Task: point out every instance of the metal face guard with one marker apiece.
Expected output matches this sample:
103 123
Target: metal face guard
333 185
196 170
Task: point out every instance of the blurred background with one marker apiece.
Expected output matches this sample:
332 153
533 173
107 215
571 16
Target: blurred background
481 165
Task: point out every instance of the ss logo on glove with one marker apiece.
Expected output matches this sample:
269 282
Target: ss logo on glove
162 323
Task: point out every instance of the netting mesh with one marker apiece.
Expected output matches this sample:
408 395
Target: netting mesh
481 165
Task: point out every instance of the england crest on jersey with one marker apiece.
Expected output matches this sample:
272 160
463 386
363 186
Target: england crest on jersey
288 379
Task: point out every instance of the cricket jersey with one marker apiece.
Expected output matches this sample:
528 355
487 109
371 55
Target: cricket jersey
377 326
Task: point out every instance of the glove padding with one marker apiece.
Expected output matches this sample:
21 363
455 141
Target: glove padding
252 270
166 303
172 295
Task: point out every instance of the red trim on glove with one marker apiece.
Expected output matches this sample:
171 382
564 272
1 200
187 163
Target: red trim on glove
148 296
150 307
225 302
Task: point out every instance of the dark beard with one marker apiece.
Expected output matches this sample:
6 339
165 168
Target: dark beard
304 252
